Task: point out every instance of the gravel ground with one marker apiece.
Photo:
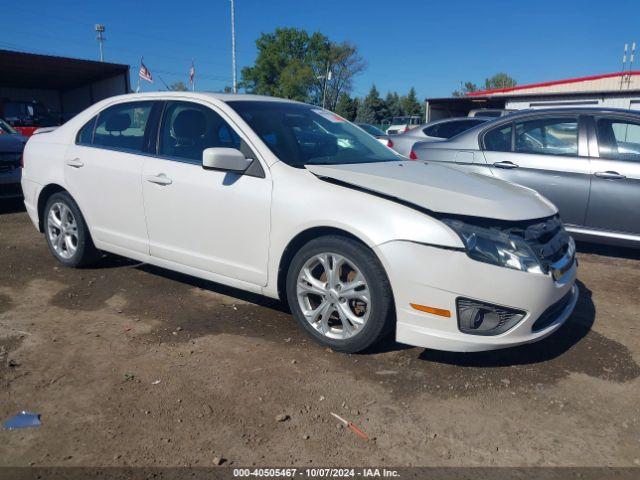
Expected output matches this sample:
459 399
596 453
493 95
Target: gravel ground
131 365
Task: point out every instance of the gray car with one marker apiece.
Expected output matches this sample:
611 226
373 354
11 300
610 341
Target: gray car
586 161
436 130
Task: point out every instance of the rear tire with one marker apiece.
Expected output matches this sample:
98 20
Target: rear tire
66 232
339 294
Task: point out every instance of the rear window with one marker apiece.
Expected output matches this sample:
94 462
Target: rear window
122 126
450 129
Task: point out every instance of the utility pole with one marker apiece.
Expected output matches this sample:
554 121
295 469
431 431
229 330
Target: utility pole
233 46
100 31
326 77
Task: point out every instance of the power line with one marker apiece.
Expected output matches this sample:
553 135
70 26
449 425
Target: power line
120 49
116 29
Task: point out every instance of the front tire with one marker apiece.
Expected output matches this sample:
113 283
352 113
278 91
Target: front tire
339 293
66 232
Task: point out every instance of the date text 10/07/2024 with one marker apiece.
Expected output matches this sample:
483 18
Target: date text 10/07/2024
316 472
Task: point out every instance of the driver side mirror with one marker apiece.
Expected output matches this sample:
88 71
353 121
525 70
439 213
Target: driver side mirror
225 159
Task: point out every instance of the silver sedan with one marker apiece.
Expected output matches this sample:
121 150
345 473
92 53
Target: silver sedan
433 131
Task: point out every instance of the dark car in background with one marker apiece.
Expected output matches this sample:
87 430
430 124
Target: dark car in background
585 160
27 117
11 148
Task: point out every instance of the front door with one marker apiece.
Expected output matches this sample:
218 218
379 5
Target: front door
543 153
614 204
208 220
103 172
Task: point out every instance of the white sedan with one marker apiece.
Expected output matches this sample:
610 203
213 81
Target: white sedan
291 201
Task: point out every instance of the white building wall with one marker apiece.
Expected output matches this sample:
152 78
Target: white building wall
624 102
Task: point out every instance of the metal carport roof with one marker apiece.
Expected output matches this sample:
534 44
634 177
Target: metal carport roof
30 70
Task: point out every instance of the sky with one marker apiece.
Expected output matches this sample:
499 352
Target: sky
430 45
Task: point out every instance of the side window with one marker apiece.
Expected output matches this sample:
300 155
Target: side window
618 139
189 128
498 139
122 126
547 136
85 135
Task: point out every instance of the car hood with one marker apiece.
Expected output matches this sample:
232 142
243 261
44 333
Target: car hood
442 189
10 143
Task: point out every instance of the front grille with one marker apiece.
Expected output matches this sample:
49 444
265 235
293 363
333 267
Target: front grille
551 314
392 132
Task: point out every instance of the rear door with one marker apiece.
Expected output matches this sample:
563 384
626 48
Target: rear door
614 144
103 172
548 154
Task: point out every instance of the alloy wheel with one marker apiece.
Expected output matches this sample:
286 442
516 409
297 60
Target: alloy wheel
62 230
333 295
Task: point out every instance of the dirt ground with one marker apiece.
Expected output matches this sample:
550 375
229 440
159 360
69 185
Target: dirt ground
87 348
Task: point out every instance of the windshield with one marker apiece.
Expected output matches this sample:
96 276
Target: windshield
300 134
414 120
371 130
400 120
6 128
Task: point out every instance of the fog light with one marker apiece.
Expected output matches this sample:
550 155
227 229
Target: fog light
479 318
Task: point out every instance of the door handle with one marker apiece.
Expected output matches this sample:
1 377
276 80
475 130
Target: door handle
75 163
160 179
610 175
507 165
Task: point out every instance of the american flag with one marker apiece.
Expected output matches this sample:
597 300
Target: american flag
192 73
144 73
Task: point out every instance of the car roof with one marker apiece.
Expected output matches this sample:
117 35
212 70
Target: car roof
223 97
455 119
469 138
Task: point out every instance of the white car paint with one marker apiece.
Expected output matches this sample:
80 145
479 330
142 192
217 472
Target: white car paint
443 189
234 229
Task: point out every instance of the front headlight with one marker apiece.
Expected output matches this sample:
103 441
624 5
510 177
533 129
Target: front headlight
495 246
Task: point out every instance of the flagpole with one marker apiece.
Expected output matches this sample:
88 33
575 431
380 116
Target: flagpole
138 87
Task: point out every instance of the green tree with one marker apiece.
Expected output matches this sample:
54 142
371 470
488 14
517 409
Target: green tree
178 87
344 62
347 107
466 88
394 107
372 109
499 80
410 103
293 64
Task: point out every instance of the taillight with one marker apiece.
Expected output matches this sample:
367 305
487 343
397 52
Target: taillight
389 143
406 128
413 155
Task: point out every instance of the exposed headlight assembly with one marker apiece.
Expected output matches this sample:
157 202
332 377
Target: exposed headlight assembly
496 246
